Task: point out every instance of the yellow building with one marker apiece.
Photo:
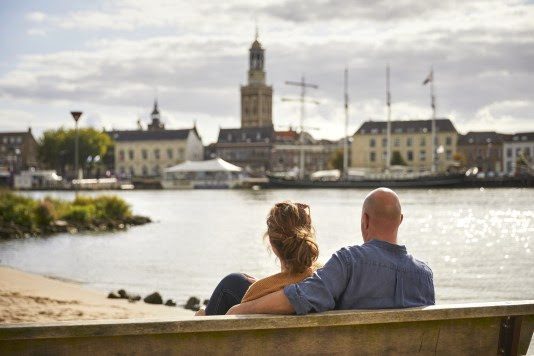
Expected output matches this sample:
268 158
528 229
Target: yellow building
412 140
145 153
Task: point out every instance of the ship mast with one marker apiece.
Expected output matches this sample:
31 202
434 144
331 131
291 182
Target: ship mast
303 85
346 138
433 104
388 100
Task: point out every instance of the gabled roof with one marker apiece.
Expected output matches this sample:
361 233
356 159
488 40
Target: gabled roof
247 135
150 135
481 138
408 126
212 165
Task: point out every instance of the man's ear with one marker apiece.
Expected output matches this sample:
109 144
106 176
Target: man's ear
366 220
402 218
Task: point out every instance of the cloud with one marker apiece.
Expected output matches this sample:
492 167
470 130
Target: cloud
481 54
36 32
36 16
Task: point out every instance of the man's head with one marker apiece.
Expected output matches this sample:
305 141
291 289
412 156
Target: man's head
381 215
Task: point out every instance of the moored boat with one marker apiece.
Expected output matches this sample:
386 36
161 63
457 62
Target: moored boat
211 174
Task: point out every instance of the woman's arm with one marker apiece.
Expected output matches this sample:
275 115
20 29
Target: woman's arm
274 303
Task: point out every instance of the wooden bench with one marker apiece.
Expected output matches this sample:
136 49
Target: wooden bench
461 329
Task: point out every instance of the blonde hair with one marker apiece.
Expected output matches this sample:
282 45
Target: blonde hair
292 235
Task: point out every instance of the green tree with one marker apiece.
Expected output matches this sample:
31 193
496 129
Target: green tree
397 160
336 161
56 147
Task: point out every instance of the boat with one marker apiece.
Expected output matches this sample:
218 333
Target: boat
210 174
375 181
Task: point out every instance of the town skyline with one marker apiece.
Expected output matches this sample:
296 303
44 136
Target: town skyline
89 58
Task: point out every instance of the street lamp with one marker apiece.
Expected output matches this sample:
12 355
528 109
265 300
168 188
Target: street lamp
76 116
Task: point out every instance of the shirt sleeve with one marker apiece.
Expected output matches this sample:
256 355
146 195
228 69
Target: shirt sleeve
321 291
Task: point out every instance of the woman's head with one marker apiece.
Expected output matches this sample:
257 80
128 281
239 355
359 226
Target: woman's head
292 236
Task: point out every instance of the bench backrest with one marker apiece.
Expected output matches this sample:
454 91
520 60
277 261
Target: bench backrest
475 329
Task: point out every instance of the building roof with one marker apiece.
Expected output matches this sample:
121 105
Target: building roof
247 135
481 138
520 137
150 135
212 165
408 126
286 136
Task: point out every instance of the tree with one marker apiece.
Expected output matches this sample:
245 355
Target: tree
397 160
336 161
56 147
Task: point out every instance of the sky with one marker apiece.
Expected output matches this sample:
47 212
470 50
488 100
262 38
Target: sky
110 59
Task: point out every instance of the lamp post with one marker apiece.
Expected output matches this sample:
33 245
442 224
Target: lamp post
76 116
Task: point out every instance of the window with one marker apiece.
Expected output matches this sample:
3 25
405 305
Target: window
132 171
121 155
397 142
155 170
169 153
422 155
384 142
145 171
181 153
448 141
409 155
144 154
509 152
122 170
517 152
449 154
372 142
409 142
372 156
131 154
422 142
384 155
527 151
156 153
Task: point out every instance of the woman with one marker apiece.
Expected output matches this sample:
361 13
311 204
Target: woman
292 239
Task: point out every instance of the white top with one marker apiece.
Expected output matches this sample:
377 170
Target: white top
212 165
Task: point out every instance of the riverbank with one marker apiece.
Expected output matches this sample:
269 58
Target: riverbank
26 297
22 216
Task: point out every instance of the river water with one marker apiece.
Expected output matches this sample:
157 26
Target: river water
478 242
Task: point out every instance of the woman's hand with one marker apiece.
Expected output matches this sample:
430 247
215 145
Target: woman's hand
249 278
201 312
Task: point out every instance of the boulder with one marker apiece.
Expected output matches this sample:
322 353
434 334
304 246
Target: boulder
193 303
134 297
154 298
170 303
113 295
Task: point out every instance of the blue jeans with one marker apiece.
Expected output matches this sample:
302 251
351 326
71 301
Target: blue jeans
228 293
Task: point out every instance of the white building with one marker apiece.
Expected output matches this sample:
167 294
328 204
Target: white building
517 146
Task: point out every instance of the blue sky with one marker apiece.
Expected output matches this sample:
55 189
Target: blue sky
110 58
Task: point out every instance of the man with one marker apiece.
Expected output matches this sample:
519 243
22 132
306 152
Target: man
376 275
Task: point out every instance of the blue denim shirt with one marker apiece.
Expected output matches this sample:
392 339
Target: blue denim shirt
375 275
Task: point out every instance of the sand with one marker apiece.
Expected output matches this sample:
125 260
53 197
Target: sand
26 297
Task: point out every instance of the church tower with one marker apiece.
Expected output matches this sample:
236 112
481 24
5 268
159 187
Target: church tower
156 123
256 96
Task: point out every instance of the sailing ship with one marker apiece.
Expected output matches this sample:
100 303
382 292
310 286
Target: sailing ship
390 177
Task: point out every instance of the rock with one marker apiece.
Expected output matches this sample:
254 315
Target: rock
206 301
134 297
170 303
123 294
193 303
113 295
154 298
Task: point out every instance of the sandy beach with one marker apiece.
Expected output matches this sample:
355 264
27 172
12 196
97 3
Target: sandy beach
26 297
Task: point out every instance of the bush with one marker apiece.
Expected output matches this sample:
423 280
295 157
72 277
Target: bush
16 209
45 213
112 207
80 214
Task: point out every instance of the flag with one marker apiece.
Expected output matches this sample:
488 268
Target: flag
429 78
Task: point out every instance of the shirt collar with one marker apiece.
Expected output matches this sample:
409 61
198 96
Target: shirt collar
388 246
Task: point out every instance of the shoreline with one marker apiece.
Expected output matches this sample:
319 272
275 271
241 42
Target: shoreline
27 297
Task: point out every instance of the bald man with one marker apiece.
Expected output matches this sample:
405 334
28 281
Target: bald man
379 274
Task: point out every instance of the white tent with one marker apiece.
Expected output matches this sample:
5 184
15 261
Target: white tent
212 165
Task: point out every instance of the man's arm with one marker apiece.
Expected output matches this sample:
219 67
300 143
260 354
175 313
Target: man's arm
274 303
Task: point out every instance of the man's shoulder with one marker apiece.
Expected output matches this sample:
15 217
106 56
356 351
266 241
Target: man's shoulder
423 266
